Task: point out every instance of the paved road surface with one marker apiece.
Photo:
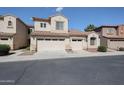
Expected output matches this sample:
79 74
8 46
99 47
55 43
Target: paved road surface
92 70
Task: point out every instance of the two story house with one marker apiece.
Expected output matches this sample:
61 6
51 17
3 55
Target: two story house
52 33
111 36
13 31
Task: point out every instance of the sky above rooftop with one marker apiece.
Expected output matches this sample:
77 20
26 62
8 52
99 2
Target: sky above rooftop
79 17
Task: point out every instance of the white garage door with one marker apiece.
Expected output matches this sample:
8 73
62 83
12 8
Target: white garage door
50 44
115 44
76 44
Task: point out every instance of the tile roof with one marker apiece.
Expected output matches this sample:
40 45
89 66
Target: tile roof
6 34
70 33
48 33
42 19
78 33
114 37
30 26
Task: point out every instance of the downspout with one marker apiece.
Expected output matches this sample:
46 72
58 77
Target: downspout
87 42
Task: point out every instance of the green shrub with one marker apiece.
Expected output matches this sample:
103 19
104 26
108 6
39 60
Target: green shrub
121 49
102 49
4 49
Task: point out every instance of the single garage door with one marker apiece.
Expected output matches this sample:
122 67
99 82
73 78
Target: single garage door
116 43
50 44
76 44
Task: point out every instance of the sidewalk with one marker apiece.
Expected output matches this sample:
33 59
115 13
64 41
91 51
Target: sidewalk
54 55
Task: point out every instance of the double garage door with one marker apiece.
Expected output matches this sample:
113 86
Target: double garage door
50 44
58 44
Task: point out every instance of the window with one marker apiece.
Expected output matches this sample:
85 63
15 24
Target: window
54 39
47 39
92 40
4 38
40 39
61 39
9 23
79 40
43 25
74 40
59 25
110 30
117 40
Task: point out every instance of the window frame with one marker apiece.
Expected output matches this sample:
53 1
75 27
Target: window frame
110 31
10 24
43 25
4 38
59 26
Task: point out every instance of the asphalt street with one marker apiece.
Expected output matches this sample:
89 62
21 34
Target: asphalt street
69 71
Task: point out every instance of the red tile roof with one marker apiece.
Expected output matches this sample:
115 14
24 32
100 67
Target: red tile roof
78 33
42 19
48 33
30 26
70 33
6 34
114 37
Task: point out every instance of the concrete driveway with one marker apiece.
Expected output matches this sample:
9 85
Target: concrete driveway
91 70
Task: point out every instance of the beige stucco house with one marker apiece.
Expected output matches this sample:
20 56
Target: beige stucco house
13 31
111 36
52 34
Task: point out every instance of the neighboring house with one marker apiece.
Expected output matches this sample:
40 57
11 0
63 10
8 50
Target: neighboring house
111 36
52 34
13 31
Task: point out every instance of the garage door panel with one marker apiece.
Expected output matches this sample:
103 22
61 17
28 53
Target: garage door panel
115 44
50 45
76 45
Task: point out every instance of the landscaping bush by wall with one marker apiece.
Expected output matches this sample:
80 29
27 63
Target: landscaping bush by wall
4 49
102 49
121 49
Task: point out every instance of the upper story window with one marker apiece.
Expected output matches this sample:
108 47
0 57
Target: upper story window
59 25
110 30
9 23
43 25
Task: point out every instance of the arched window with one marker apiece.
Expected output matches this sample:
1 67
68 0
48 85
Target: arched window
9 23
92 41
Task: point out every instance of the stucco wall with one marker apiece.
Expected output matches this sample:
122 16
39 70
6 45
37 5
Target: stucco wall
103 41
1 25
37 26
105 32
59 18
52 26
120 30
4 24
21 38
33 44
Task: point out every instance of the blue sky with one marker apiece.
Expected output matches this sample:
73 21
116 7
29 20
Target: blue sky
79 18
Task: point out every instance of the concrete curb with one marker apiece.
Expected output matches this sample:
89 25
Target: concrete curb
60 56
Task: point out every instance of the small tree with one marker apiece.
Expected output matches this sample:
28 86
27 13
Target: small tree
4 49
90 27
102 49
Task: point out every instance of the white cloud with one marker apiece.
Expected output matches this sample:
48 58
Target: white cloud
59 9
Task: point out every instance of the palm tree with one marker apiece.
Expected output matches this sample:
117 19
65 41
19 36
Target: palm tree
90 27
